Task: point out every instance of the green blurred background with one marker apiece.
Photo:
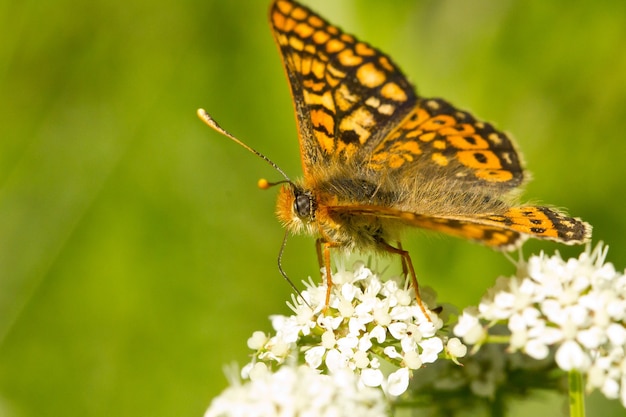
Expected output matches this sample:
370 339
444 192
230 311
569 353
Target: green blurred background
137 254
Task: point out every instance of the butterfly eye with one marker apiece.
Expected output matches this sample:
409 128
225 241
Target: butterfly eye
303 204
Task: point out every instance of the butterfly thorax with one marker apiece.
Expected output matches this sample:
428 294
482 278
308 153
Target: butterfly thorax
329 210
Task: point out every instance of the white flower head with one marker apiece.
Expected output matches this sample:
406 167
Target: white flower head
298 391
574 309
366 320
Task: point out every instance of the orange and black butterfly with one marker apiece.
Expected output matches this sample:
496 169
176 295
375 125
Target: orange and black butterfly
378 159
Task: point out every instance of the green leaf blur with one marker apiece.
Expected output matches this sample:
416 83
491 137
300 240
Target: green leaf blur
137 254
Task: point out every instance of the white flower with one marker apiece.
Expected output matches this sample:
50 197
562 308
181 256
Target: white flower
257 341
469 327
430 349
299 392
398 382
455 348
372 377
571 356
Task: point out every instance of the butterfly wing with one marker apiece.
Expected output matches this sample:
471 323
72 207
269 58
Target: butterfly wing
503 231
353 104
450 144
374 149
348 96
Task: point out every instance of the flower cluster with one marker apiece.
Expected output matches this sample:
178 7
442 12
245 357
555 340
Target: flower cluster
485 384
574 309
358 353
298 391
366 320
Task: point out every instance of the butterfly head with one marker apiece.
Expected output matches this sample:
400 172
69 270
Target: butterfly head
296 208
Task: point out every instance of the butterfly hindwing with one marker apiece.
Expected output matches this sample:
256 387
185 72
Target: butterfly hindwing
452 144
503 231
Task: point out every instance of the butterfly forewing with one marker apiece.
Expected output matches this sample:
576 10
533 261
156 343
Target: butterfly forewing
348 96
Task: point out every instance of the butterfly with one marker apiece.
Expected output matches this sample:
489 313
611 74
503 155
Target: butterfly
379 159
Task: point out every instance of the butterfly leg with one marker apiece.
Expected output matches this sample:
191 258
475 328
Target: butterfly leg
323 258
407 263
318 249
405 268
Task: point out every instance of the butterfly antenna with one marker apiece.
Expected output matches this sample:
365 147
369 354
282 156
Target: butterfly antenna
284 274
206 118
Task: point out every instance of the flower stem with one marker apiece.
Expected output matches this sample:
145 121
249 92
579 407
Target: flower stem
576 394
